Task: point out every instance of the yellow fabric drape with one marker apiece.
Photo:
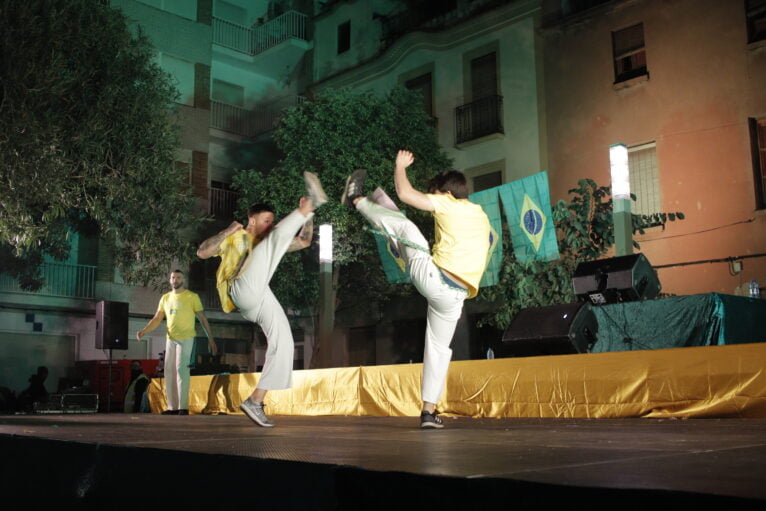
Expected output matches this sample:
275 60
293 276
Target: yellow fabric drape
709 381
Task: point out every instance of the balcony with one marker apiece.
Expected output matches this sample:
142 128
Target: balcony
249 123
258 39
61 280
478 119
222 203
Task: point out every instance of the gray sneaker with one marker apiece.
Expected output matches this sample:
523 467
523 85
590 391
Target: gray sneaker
430 420
314 189
255 412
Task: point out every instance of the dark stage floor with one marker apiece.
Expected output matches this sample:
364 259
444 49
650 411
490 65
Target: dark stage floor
580 459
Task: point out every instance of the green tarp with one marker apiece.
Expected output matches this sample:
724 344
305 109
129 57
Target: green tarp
696 320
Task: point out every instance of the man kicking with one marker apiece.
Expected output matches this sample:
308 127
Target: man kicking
445 277
249 256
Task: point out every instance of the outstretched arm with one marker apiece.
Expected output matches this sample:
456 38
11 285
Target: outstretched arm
404 189
210 341
152 324
304 237
209 247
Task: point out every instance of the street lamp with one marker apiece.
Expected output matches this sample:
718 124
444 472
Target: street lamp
623 221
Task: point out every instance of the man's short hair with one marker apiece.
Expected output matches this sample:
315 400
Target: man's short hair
451 181
259 207
177 271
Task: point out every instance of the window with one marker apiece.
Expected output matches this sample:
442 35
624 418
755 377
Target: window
483 116
344 37
644 179
755 10
758 144
183 73
487 181
228 93
486 176
424 85
484 76
629 53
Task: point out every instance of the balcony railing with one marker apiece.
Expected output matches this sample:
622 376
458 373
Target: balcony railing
222 203
63 280
250 123
478 119
210 299
257 39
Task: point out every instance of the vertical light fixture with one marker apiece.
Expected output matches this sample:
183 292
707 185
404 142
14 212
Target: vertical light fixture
621 214
326 300
325 243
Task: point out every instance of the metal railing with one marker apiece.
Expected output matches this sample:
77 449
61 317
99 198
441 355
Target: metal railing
63 280
221 203
478 119
257 39
249 123
209 295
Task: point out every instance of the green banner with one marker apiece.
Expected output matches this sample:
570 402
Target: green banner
490 203
527 205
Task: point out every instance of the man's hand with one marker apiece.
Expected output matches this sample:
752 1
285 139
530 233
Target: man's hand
404 159
305 206
233 227
213 347
139 334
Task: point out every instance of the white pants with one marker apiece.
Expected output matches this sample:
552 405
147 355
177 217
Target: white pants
445 302
177 360
250 292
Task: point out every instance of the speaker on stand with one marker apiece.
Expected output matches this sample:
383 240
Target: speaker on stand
111 334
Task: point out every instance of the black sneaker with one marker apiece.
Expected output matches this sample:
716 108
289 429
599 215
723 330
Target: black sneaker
354 188
169 412
183 412
430 420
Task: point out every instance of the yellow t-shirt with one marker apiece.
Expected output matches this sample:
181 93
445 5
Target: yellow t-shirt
233 251
180 311
461 238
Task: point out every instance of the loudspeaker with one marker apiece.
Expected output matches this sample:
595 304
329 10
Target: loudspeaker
551 330
112 325
619 279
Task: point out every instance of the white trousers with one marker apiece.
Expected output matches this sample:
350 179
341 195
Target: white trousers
177 360
251 294
445 302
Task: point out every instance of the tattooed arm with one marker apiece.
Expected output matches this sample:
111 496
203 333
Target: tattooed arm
209 247
303 239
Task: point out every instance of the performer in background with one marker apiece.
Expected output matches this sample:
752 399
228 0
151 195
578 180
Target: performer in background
180 307
249 257
446 276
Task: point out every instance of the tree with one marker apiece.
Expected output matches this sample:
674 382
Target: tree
332 135
87 139
585 232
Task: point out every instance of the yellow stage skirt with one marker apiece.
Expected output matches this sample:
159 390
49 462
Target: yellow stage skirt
709 381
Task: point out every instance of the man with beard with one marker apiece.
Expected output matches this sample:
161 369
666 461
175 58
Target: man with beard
180 306
249 256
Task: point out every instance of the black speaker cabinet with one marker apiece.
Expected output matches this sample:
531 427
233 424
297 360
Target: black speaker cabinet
111 325
619 279
551 330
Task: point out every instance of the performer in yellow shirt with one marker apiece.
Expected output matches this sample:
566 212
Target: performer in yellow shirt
180 307
249 257
446 276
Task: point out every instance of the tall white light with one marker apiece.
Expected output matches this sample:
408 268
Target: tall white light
618 161
325 243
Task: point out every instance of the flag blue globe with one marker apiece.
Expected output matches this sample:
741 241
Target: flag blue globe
533 221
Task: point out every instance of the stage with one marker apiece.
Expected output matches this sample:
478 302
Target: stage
380 462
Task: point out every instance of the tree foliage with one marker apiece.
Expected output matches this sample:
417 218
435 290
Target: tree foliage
332 135
87 139
585 229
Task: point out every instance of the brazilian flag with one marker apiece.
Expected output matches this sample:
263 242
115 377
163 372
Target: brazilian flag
490 203
527 205
393 263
